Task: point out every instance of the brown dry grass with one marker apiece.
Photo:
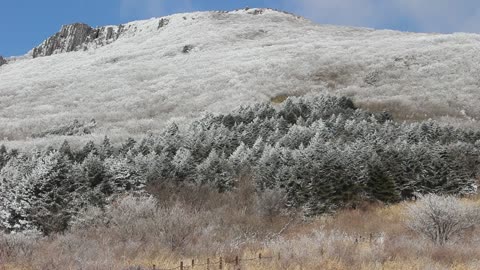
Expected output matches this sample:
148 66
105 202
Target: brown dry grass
229 225
278 99
402 110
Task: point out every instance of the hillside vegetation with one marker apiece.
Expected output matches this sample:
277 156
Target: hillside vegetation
321 152
137 233
213 61
308 179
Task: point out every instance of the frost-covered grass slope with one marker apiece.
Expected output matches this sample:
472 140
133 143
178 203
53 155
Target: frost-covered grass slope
146 77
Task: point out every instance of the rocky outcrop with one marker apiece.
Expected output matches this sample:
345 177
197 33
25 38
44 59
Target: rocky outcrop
75 37
2 61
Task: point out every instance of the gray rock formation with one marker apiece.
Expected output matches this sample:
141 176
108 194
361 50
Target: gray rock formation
2 61
75 37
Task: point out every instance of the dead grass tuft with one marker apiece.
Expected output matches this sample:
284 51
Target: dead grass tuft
279 99
185 223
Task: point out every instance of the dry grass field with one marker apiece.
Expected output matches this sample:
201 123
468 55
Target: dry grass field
198 224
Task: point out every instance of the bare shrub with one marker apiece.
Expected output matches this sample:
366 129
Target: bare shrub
187 48
270 202
193 197
179 226
137 218
88 218
441 218
130 217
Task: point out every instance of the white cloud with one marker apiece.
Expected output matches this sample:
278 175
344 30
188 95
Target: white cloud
150 8
418 15
443 15
349 12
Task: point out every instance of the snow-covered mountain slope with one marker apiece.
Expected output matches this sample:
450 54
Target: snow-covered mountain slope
179 66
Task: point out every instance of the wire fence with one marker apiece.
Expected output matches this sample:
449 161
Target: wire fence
222 264
238 263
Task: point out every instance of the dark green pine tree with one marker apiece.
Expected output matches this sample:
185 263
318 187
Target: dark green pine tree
257 150
294 191
144 146
95 172
215 171
348 192
3 156
86 150
171 140
460 164
66 151
290 112
321 197
267 168
106 148
381 185
127 146
53 190
183 165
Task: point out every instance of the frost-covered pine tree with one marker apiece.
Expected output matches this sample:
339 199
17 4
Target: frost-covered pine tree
295 136
381 185
89 148
128 146
122 175
290 111
215 170
145 146
266 171
152 167
66 151
322 195
183 164
240 158
257 150
95 173
106 149
3 156
51 192
15 199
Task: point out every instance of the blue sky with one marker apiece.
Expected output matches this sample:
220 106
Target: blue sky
26 23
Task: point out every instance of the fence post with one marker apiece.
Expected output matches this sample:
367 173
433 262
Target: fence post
259 256
193 263
181 265
221 263
279 256
208 263
236 260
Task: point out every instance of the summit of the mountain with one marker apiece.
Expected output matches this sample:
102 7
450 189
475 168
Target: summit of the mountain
77 36
80 36
3 61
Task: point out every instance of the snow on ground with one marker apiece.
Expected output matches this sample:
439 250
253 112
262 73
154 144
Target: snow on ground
144 79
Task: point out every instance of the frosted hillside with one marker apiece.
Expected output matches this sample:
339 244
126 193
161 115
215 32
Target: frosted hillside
214 61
